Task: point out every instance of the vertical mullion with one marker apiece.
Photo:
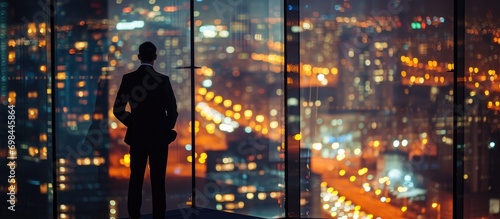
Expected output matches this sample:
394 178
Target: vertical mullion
292 112
53 127
193 121
459 108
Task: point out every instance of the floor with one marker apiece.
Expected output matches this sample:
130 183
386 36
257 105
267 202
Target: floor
200 213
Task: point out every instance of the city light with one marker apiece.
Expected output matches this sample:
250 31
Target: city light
130 25
370 94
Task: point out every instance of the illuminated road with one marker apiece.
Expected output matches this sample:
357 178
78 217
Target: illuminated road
353 191
366 200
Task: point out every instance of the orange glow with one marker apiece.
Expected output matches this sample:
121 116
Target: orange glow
170 8
127 10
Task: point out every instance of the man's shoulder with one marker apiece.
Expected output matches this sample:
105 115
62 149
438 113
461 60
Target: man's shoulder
160 75
141 72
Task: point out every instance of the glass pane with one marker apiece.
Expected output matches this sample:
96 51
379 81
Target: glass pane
239 105
481 128
25 109
97 43
377 115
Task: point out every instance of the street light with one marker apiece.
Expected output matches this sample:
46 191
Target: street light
437 206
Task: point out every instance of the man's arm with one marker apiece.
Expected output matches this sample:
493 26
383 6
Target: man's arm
171 109
120 105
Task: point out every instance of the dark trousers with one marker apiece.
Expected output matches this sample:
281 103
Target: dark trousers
158 165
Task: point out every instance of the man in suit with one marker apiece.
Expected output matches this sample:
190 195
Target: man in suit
150 123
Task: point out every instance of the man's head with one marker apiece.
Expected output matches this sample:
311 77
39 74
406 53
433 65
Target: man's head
147 52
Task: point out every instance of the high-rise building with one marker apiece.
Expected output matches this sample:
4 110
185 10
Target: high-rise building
3 52
24 86
248 176
81 126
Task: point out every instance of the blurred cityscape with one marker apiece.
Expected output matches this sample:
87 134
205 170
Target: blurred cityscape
376 106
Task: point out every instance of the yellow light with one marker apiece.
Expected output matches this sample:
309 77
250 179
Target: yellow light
189 159
258 127
334 71
330 190
378 191
342 172
306 67
341 199
218 99
202 91
404 208
252 165
32 113
210 128
81 83
357 208
352 178
218 197
323 184
237 116
229 113
209 95
259 118
227 103
250 195
61 75
247 113
237 107
262 196
317 146
434 205
297 137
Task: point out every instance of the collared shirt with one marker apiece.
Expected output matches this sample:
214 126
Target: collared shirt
147 64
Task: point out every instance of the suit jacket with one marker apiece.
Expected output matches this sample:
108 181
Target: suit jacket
153 107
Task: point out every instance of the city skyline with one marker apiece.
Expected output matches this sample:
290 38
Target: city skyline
375 97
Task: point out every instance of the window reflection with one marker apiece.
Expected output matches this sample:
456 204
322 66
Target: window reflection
375 108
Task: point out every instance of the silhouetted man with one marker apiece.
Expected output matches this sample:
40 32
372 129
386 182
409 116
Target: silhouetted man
150 124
